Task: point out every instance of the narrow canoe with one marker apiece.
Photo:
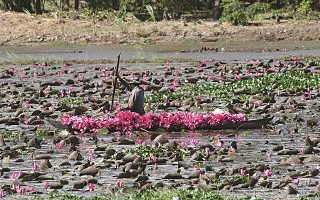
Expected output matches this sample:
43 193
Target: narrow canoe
250 124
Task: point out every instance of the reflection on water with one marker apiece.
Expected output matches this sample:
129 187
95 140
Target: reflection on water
241 137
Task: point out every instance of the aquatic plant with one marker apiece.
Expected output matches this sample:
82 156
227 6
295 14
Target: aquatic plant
267 84
152 153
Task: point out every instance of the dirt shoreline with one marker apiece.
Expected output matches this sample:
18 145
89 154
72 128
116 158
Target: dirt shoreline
19 29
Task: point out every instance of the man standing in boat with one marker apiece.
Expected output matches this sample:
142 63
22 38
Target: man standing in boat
136 98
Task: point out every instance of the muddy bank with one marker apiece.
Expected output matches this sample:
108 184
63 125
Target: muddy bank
22 29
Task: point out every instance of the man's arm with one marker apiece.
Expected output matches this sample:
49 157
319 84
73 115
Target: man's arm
123 82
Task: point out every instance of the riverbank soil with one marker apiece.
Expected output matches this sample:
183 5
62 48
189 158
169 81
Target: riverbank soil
24 29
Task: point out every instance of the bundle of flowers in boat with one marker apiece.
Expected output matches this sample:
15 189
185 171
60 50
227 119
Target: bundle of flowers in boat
125 121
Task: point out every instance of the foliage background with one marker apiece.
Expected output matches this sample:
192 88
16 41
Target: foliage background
238 12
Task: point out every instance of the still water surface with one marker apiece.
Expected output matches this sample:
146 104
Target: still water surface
226 51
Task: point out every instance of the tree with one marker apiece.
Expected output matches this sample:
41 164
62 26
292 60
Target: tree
76 4
217 10
18 5
37 6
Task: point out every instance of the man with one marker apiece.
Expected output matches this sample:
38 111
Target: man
136 98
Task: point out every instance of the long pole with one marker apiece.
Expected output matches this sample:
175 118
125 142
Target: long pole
115 82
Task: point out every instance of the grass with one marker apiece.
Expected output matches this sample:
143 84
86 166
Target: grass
189 41
54 61
151 195
60 43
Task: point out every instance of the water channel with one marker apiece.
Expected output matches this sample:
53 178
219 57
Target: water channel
225 51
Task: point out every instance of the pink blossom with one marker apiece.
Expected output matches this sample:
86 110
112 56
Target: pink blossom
183 144
126 121
242 172
295 181
259 103
91 187
265 71
14 175
291 132
46 185
308 93
301 150
153 159
194 142
35 167
62 93
89 159
1 194
274 105
267 172
217 144
196 168
59 145
139 142
119 183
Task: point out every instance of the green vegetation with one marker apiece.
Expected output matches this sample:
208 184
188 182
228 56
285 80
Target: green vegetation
234 12
237 12
266 84
190 41
71 102
147 151
172 194
14 60
44 133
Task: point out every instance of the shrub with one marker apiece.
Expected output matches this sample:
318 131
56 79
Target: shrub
257 8
234 12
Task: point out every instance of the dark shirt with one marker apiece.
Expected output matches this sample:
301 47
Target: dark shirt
136 100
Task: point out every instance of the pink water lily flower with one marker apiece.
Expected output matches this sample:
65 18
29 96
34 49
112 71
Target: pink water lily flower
217 144
267 172
196 168
153 159
119 183
295 181
91 187
139 142
35 167
242 172
46 185
89 159
194 142
301 150
59 145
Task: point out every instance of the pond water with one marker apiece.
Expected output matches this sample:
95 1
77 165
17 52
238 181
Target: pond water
252 144
226 51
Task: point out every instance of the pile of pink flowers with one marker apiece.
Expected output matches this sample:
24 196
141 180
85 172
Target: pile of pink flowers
126 121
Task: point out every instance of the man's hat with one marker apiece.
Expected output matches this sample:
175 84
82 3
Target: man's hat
135 82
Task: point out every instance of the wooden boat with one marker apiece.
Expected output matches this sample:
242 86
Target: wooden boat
250 124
